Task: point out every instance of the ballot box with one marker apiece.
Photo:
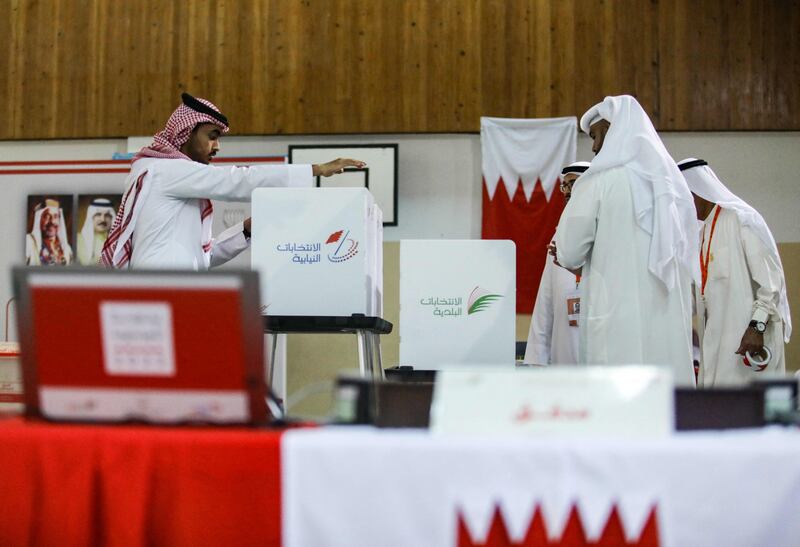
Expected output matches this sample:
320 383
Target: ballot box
153 346
319 251
457 303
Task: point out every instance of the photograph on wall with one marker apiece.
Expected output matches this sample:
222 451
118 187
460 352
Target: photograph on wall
48 232
380 177
96 214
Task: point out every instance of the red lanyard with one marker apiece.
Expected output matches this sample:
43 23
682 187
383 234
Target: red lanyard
704 264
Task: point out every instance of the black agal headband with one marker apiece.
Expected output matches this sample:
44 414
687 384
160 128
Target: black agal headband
690 164
197 106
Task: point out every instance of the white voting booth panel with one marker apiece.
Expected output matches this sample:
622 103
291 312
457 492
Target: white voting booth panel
318 251
457 303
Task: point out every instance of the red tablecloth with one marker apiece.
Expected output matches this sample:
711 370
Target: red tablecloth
132 485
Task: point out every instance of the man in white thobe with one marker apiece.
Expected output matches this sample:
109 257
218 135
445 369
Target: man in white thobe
164 220
630 225
553 335
741 299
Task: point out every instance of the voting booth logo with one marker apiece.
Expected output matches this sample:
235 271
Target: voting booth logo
452 306
344 247
480 299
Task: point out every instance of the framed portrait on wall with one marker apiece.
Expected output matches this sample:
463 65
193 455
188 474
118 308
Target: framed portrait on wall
48 232
96 214
380 175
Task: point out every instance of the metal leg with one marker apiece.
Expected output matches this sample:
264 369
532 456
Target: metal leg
379 358
363 354
376 365
272 361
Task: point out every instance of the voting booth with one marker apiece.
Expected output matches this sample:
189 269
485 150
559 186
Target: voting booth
457 303
319 251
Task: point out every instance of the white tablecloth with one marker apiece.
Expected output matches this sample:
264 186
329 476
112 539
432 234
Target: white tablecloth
365 487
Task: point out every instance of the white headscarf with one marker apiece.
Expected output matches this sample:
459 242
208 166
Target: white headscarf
87 230
662 202
702 180
52 206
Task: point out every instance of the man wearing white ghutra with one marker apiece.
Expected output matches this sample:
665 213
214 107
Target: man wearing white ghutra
631 226
741 298
553 334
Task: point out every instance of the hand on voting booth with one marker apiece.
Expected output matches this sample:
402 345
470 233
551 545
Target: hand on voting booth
336 167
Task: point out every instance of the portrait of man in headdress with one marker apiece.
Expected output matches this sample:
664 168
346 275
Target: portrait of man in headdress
47 242
96 214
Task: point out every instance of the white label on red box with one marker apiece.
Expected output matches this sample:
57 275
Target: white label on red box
156 405
137 338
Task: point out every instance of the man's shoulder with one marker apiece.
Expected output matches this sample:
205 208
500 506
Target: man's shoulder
611 175
615 173
729 217
165 167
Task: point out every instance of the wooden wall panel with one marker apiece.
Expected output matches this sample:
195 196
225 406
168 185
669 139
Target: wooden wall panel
544 59
730 65
104 68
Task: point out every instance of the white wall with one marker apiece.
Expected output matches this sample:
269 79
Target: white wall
439 193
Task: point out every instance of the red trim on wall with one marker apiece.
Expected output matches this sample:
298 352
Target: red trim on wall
61 171
111 163
65 162
264 159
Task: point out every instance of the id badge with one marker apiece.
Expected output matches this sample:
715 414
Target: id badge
573 307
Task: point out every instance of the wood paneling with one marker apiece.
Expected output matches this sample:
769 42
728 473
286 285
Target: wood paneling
103 68
730 65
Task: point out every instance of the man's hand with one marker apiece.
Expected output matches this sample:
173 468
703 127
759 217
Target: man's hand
551 249
752 341
247 225
335 167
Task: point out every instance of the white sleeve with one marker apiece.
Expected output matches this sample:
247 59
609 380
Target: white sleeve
765 273
540 336
190 179
577 226
228 245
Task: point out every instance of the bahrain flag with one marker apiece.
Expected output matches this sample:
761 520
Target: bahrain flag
521 163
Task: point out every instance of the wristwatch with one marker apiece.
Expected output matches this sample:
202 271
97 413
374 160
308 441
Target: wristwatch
759 326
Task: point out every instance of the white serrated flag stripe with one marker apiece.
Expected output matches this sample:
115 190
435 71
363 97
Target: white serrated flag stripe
526 150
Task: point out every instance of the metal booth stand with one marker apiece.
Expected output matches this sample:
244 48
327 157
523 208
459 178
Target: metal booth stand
367 329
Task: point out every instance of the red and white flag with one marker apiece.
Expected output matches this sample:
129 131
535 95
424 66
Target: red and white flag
522 162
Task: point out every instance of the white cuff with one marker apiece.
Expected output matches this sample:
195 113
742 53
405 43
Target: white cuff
760 315
300 176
